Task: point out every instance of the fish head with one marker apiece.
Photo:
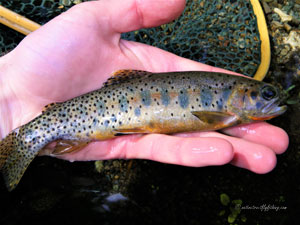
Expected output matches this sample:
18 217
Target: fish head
257 101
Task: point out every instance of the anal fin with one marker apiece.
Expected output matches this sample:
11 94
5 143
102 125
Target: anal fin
68 146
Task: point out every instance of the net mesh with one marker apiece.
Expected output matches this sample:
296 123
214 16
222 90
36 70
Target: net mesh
220 33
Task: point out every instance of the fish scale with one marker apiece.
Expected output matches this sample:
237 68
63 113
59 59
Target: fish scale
139 102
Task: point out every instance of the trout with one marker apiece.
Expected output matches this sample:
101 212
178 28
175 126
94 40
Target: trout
133 102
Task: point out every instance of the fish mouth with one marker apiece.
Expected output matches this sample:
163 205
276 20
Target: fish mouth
276 111
271 110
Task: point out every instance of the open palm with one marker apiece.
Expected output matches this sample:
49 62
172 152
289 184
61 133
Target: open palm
78 50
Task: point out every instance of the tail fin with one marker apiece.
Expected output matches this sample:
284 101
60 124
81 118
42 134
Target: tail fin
14 159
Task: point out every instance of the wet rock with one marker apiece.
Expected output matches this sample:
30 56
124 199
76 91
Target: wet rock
293 39
287 27
283 16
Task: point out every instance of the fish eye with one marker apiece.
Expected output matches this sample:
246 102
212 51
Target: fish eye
268 92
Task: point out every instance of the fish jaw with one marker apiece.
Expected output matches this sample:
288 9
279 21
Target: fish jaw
273 112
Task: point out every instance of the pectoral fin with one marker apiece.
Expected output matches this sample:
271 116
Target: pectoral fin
216 119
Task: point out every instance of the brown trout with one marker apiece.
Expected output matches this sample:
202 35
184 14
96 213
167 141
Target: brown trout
140 102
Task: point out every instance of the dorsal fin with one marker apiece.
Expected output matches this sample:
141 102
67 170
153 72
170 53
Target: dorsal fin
123 75
49 106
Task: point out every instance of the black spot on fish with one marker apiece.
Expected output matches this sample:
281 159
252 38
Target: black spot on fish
100 106
106 123
146 97
183 98
165 98
206 97
225 95
123 105
113 118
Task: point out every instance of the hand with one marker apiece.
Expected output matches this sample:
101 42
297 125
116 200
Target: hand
78 50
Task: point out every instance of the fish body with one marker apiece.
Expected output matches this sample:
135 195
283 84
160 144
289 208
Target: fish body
139 102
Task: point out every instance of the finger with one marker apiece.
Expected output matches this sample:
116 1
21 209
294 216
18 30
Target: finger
117 17
254 157
262 133
123 16
163 148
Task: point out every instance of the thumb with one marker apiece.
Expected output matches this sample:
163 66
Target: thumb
123 16
119 16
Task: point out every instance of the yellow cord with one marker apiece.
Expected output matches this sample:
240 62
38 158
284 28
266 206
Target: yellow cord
16 21
265 42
